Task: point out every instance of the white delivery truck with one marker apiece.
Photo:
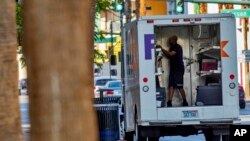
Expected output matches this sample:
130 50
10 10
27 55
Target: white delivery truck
210 79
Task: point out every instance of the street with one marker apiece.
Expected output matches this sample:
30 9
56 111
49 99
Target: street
244 116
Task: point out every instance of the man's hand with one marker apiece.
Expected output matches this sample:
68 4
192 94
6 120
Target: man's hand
168 53
158 46
165 52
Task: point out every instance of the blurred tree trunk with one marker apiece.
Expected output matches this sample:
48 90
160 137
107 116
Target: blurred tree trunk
10 121
58 47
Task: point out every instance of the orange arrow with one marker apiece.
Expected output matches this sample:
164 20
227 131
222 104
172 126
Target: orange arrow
222 52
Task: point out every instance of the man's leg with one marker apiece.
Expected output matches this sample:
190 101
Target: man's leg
170 93
182 92
170 96
170 89
180 83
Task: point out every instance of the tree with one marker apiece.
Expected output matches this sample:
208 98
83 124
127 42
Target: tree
58 48
101 5
10 123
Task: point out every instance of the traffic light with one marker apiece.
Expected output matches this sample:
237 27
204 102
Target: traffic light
179 6
118 5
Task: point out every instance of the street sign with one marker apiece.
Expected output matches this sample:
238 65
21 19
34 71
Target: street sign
246 52
105 40
220 1
239 13
246 59
246 55
238 2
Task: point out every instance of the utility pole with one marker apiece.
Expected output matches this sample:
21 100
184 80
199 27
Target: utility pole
122 45
111 47
127 10
245 30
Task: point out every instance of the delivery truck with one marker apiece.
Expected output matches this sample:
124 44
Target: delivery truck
210 79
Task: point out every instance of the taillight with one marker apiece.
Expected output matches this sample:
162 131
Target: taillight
231 76
94 87
150 21
109 92
186 20
145 79
175 20
197 19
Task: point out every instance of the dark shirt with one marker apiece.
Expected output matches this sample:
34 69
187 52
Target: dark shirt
176 61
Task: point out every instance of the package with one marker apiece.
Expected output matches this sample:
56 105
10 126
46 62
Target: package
160 96
208 64
209 95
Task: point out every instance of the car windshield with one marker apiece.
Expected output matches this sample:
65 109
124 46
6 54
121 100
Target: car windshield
114 85
102 82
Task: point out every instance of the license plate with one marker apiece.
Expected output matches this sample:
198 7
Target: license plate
190 114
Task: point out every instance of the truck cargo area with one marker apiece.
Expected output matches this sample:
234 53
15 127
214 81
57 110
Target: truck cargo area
202 62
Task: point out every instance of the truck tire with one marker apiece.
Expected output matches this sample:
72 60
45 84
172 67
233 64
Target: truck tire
153 138
225 138
129 136
216 138
138 134
242 105
209 136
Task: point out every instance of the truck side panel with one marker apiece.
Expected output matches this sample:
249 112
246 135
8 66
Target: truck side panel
146 40
131 78
229 67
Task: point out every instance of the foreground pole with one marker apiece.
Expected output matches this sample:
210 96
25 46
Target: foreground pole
10 118
58 46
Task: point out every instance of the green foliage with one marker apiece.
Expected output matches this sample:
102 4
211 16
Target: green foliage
19 26
101 5
19 23
97 57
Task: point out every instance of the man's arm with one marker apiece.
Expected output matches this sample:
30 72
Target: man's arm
168 53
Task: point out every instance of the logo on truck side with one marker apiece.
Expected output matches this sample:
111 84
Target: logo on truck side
223 45
149 45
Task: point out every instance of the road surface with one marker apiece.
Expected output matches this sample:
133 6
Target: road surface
24 102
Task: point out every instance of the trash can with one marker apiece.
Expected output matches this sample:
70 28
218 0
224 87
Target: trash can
108 100
107 109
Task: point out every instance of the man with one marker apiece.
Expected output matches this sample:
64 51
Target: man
175 56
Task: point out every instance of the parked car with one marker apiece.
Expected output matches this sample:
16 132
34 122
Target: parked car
100 82
112 88
22 86
242 101
23 83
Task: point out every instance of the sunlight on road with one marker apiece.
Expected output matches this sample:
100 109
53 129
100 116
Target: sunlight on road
199 137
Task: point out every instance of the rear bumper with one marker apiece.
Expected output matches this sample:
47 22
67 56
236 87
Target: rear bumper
191 122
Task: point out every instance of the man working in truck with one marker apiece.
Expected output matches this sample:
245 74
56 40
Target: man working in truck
175 55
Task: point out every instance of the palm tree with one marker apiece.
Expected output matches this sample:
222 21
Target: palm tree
10 123
58 40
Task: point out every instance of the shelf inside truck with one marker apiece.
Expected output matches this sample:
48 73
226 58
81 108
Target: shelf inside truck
209 73
213 52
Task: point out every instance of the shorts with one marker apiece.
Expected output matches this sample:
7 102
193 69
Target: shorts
176 79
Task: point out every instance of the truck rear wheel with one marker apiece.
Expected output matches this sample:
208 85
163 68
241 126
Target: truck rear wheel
153 138
138 136
135 135
209 136
225 137
129 136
